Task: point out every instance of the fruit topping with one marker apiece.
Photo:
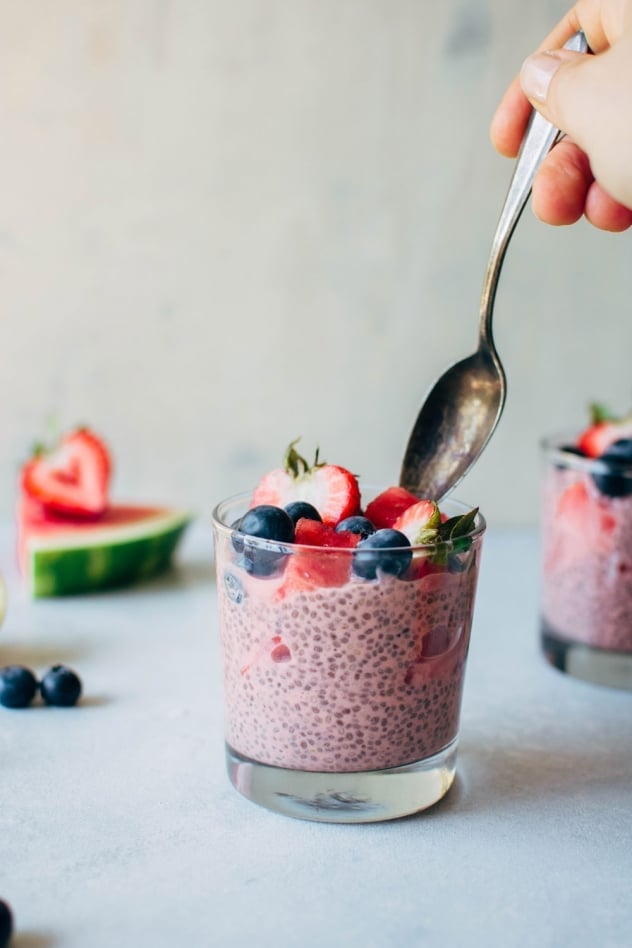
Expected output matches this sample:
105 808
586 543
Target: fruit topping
60 687
616 480
603 431
301 509
331 489
306 527
384 509
306 569
420 522
72 478
360 525
385 551
18 686
263 522
313 533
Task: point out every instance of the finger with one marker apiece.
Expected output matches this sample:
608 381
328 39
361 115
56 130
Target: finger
510 121
588 98
561 185
604 212
512 115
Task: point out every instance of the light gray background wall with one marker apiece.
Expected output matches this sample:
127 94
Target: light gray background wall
224 225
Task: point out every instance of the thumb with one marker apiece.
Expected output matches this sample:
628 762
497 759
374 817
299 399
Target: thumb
590 99
560 85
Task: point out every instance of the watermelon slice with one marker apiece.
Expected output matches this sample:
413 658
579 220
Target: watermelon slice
59 556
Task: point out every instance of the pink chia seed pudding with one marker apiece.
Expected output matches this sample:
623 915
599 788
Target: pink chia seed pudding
586 560
360 677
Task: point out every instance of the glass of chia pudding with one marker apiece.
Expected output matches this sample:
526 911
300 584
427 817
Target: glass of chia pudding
586 557
344 667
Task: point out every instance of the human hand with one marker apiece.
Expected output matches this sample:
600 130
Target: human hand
590 98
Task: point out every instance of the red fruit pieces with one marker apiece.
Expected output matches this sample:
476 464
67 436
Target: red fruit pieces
593 441
322 565
384 509
313 533
280 653
419 522
72 479
331 489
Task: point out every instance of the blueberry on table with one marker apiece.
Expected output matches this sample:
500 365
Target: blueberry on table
60 686
17 686
359 525
6 923
264 522
385 550
302 509
617 480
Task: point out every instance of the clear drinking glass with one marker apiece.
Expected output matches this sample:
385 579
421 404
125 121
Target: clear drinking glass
342 694
586 565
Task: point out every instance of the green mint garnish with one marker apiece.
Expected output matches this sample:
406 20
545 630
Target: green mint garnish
453 538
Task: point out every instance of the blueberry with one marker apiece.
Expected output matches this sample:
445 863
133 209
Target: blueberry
382 551
300 508
17 686
60 686
617 481
360 525
236 537
265 522
234 589
620 451
6 923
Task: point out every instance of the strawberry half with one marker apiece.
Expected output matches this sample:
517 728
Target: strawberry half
384 509
331 489
71 479
420 522
604 431
306 569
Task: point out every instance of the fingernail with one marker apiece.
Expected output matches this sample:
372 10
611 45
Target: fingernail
537 72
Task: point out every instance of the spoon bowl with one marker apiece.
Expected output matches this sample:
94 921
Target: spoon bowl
455 423
463 408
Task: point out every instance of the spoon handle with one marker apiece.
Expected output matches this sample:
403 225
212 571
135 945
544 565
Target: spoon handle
539 138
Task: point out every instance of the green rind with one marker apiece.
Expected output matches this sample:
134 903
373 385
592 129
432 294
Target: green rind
63 571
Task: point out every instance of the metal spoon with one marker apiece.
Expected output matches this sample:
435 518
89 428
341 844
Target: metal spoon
463 408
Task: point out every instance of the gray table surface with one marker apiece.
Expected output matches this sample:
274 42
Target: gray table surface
118 826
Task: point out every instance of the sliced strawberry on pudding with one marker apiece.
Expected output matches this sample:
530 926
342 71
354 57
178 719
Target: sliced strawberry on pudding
331 489
604 430
72 478
384 509
326 564
420 522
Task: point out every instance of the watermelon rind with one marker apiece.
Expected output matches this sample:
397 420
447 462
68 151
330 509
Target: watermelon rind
74 562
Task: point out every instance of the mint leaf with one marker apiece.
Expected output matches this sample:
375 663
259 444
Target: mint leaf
453 538
459 526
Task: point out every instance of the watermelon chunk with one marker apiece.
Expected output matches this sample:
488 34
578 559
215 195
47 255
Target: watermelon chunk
59 556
